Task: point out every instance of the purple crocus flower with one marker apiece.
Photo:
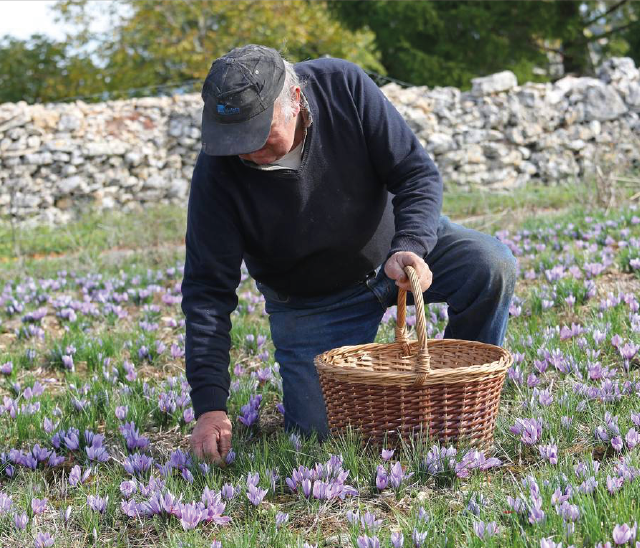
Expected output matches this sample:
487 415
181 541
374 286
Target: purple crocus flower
255 494
418 538
632 438
623 533
387 453
227 491
67 361
44 540
137 464
365 541
381 478
529 429
72 441
39 505
549 452
548 543
128 488
97 503
397 539
191 514
6 368
397 475
616 443
629 350
188 415
281 519
485 530
20 521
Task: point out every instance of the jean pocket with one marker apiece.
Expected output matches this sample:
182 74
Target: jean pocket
271 295
382 287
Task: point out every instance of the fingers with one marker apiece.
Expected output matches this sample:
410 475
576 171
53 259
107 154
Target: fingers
196 447
224 444
210 448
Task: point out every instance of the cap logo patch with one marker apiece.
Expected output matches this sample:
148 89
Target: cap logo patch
226 110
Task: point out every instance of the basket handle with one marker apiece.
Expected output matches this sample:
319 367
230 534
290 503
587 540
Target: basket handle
422 366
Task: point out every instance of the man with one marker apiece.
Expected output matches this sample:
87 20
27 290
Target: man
310 175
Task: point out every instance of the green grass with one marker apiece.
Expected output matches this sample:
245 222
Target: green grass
92 245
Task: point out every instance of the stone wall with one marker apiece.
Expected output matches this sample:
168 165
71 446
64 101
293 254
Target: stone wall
58 158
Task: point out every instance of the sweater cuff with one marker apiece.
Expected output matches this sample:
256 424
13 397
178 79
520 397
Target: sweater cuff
209 398
407 243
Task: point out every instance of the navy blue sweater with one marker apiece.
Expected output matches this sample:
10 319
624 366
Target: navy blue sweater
309 231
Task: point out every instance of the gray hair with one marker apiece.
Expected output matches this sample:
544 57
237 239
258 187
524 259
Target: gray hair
287 98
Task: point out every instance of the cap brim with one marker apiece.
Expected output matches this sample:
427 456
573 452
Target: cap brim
236 138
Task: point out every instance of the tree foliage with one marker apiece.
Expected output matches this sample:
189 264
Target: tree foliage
448 43
161 42
152 46
42 70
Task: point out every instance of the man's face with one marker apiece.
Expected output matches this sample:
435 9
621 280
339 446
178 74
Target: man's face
280 140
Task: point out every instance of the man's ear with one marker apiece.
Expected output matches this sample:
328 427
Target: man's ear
298 96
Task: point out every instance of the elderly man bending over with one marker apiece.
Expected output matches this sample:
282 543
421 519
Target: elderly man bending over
309 174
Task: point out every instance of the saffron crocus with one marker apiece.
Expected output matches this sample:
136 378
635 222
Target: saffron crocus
255 494
44 540
188 415
623 533
529 429
397 539
365 541
632 438
418 538
387 453
190 515
121 412
549 452
20 521
67 361
281 519
549 543
137 464
485 530
381 478
227 491
616 443
97 503
39 505
397 475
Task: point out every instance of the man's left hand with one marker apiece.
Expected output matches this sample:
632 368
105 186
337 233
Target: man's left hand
394 269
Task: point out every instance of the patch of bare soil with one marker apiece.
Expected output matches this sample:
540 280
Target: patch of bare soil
616 282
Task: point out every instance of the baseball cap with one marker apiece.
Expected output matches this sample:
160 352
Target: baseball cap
239 95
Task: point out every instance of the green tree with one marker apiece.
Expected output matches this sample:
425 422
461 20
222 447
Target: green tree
448 43
41 70
158 43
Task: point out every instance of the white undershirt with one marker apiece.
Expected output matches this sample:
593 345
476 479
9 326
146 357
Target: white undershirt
293 158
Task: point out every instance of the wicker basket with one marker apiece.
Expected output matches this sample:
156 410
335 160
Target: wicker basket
447 389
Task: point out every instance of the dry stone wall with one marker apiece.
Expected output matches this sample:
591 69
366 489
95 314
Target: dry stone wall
56 159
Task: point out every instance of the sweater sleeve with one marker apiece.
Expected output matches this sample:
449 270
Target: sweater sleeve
403 164
214 249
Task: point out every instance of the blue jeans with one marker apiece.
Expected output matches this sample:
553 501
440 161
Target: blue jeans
474 273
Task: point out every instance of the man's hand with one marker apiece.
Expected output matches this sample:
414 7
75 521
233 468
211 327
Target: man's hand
394 269
211 438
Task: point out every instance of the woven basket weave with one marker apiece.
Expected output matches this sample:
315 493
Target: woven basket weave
447 389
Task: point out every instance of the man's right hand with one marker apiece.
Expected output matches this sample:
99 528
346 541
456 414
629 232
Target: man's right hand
211 437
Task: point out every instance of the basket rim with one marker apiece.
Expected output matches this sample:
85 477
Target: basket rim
445 375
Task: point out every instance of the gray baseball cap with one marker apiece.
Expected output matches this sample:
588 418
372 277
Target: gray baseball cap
239 95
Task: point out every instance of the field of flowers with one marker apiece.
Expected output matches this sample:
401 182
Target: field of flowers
95 413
